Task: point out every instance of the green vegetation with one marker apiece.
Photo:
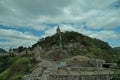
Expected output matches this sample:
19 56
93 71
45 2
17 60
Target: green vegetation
117 48
70 37
19 49
116 59
14 68
85 45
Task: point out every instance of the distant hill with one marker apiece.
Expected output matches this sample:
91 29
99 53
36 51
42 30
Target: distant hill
2 50
117 48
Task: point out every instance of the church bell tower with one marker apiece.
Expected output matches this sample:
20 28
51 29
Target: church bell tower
58 30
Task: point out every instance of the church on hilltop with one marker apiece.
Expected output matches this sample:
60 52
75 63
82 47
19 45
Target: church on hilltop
58 31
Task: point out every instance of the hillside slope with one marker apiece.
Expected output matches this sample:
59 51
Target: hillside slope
77 44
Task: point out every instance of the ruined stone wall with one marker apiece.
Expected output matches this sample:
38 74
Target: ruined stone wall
82 77
79 69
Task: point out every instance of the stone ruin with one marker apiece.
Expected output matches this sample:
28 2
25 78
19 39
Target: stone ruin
51 70
76 72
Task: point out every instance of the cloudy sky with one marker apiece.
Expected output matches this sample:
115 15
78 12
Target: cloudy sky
24 22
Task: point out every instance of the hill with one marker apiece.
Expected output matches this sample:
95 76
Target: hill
2 50
45 57
74 44
77 44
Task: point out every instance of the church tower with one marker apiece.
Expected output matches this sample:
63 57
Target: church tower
58 31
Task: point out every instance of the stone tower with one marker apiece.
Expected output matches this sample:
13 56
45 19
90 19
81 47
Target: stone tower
58 31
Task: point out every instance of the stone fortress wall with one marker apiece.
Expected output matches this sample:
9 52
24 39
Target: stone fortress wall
84 73
82 77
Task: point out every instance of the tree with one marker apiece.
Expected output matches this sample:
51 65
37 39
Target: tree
20 48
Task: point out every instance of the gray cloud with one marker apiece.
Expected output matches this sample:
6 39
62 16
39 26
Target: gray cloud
97 13
116 4
16 38
36 14
36 7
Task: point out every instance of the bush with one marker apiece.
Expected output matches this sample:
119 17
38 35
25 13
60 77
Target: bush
4 75
15 69
17 77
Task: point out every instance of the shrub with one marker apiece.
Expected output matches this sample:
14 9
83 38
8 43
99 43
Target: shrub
17 77
15 69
